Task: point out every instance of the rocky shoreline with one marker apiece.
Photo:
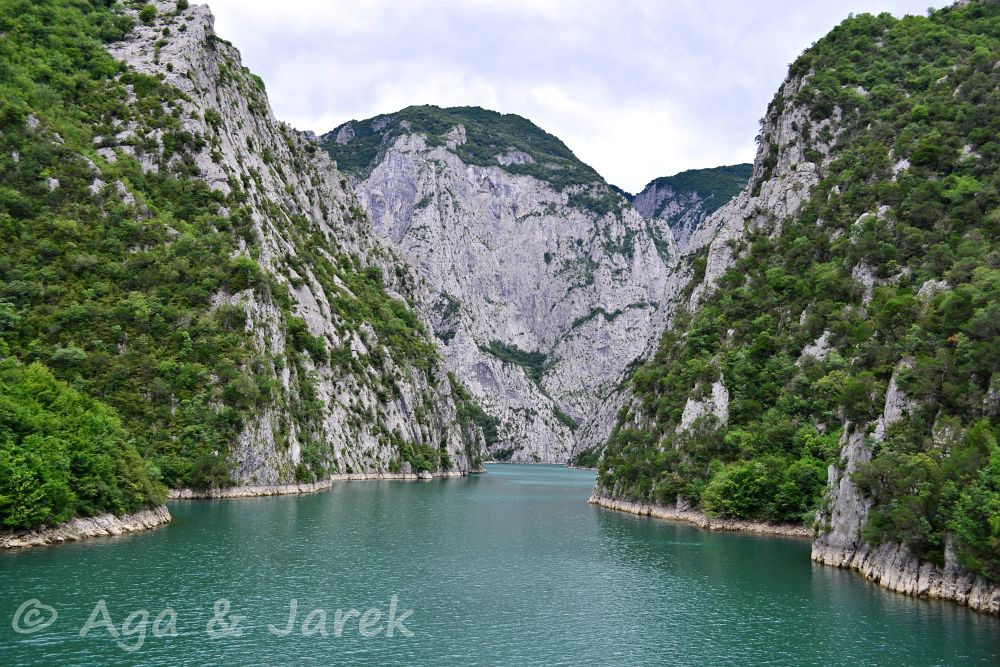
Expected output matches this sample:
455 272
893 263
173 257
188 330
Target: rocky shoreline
80 528
700 519
890 565
255 491
893 567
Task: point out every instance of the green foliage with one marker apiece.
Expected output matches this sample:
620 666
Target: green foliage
931 89
926 483
564 418
472 419
601 201
588 458
303 341
63 454
365 302
147 14
533 363
768 487
975 520
213 117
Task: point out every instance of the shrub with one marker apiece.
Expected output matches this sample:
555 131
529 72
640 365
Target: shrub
147 14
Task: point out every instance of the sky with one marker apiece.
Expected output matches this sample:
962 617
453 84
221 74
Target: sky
636 88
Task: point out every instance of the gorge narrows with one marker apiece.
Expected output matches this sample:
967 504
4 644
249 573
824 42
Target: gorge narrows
200 303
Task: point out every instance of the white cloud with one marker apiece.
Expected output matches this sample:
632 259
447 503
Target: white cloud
637 88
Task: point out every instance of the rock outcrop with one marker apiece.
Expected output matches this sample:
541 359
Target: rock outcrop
105 525
700 519
259 490
782 179
892 566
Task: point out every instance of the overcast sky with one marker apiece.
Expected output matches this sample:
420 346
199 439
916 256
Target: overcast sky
636 88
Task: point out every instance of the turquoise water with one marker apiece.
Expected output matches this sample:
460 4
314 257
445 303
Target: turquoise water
508 568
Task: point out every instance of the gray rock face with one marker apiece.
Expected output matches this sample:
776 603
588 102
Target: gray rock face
509 262
848 510
292 186
81 528
819 349
515 157
716 403
683 212
781 182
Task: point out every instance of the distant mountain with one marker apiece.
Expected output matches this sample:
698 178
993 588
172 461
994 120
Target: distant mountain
683 201
545 283
509 141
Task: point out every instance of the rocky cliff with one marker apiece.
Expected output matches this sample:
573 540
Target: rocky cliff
545 283
359 387
207 271
822 370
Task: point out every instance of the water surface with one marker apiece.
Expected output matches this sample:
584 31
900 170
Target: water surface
508 568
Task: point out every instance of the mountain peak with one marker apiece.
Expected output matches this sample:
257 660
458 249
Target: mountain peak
488 138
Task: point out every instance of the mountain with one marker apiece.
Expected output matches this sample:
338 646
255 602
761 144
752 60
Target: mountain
682 202
835 364
545 283
202 271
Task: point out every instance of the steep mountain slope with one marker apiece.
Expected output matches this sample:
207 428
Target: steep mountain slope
546 283
170 248
681 203
836 365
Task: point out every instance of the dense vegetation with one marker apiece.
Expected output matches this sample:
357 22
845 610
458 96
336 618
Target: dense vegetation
920 89
113 294
533 363
63 454
716 186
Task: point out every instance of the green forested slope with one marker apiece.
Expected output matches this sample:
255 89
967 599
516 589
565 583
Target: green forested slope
115 273
917 96
714 185
114 297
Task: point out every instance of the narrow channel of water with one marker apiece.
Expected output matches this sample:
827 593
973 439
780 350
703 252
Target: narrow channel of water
508 568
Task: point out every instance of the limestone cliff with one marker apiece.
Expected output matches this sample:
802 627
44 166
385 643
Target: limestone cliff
546 284
357 385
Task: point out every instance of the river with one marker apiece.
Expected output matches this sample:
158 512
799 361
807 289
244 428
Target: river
508 568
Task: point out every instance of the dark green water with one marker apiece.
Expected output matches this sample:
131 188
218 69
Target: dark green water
508 568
